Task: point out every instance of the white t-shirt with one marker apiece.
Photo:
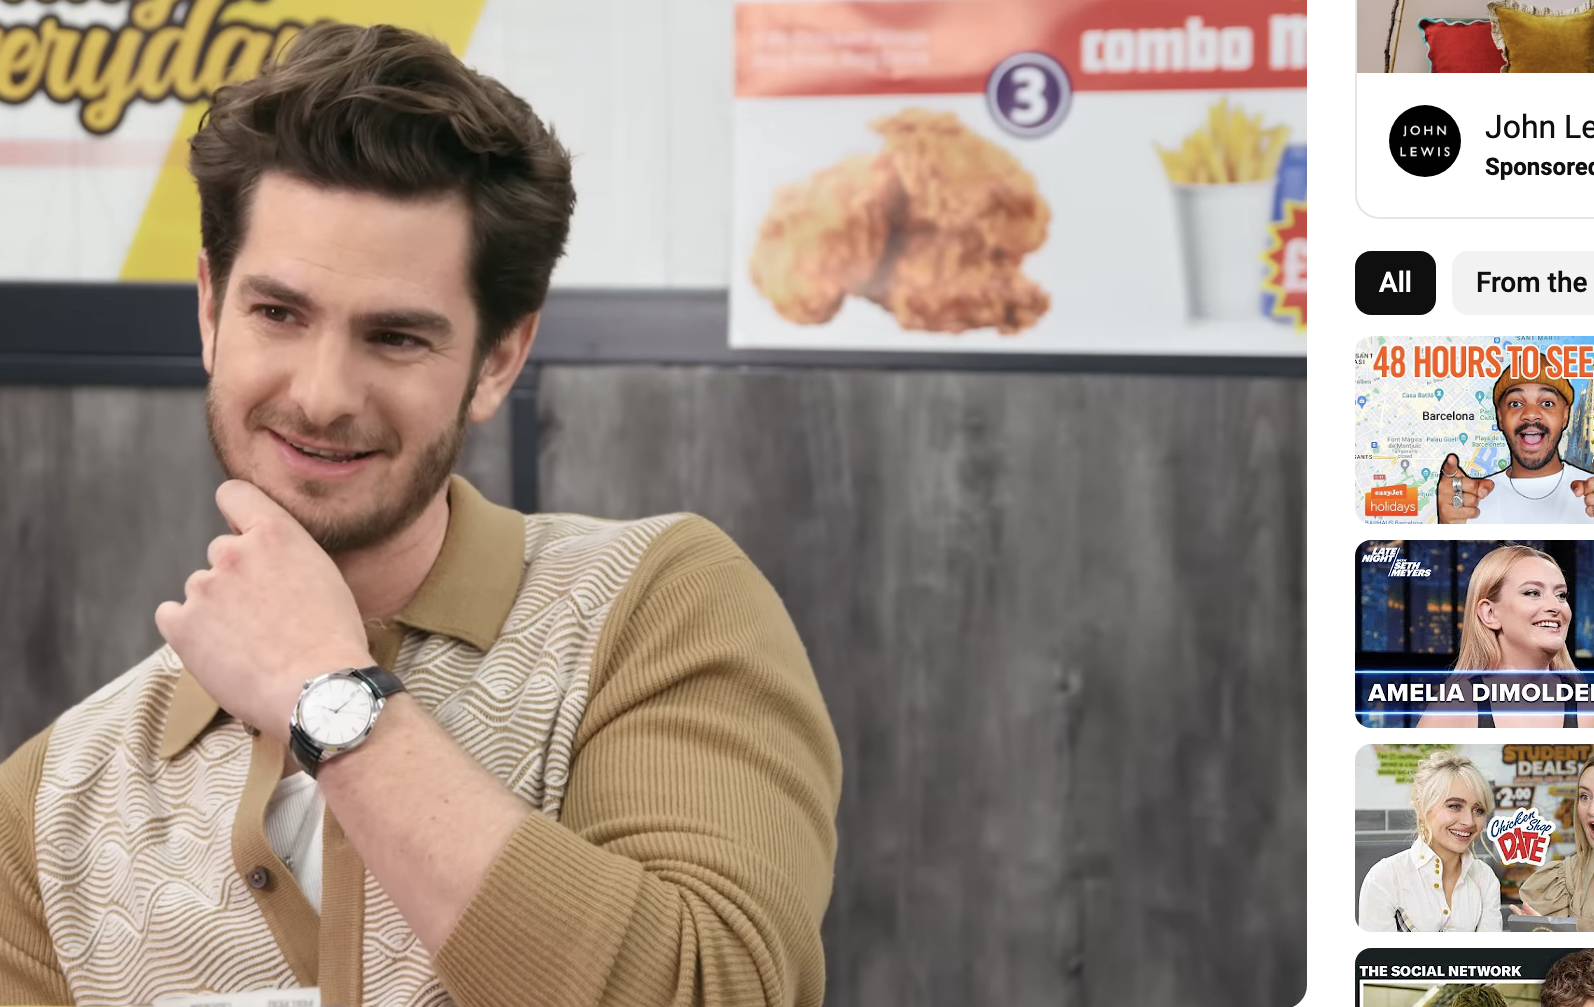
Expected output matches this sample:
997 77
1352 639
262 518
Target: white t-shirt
1540 500
293 831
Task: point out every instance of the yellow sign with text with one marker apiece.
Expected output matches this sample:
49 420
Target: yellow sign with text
160 50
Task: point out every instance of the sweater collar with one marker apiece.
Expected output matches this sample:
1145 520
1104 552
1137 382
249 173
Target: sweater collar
466 595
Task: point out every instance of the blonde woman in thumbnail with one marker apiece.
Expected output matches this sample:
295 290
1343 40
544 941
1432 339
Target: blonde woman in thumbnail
1562 888
1438 884
1515 621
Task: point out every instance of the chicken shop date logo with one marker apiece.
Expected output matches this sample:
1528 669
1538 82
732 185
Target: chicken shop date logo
1424 141
1522 837
1029 94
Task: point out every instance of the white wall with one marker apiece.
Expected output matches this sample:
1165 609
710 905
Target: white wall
641 91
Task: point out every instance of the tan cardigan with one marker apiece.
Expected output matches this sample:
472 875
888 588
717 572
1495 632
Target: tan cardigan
639 683
1562 889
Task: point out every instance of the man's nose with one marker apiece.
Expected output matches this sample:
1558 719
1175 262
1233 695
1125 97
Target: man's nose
328 385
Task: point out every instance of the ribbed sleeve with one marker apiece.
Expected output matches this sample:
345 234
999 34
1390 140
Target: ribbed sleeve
695 856
28 970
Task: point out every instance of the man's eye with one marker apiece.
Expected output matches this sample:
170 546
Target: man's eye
397 339
275 313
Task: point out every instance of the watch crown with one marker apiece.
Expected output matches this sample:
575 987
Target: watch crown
307 682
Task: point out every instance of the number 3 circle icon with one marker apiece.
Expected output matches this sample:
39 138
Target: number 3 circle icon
1029 94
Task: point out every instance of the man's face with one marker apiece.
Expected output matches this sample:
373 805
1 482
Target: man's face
1532 417
341 362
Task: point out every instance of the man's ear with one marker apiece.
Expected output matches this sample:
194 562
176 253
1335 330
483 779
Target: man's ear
207 316
1488 616
500 368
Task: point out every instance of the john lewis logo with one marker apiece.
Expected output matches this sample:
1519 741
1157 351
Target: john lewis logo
1424 141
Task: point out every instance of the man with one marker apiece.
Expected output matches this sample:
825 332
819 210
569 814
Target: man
1570 981
561 760
1539 487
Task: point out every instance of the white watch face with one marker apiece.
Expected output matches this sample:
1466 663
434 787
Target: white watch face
336 711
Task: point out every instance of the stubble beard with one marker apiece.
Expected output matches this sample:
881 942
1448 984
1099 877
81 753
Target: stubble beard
1552 450
393 513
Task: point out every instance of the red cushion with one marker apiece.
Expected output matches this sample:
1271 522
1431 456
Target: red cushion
1461 46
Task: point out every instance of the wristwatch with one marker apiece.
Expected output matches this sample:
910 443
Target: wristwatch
337 712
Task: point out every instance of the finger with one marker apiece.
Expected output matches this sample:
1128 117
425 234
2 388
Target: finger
1456 515
1580 487
244 505
166 618
1452 466
196 584
222 549
1483 487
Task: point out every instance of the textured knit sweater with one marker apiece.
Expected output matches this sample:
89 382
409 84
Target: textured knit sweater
638 683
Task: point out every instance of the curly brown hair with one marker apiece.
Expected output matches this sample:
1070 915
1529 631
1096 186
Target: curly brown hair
390 111
1477 996
1570 981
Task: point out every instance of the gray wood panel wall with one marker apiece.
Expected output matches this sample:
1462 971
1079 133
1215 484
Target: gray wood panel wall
1059 621
1060 625
107 504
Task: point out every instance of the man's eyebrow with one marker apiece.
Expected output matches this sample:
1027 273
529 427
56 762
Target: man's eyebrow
417 320
276 290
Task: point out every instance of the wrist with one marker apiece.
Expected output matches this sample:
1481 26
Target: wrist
337 712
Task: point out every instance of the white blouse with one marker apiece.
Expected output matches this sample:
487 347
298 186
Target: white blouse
1412 881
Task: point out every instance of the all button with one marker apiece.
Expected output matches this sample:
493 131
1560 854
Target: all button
1396 283
258 878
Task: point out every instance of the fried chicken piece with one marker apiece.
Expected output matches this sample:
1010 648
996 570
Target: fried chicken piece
940 282
823 238
956 180
970 213
933 228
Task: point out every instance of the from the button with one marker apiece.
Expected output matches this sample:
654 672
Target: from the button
1523 283
258 878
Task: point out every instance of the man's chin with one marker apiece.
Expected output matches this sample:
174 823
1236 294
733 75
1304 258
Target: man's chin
1533 462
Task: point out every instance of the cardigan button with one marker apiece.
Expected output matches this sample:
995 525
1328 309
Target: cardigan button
258 878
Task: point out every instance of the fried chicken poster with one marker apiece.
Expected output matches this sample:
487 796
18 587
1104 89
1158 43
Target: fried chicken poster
1063 176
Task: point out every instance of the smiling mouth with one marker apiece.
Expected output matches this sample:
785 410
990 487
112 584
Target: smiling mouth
1465 837
322 454
1532 436
1548 624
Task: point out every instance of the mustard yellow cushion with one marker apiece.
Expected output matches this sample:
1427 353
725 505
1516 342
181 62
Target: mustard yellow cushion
1541 40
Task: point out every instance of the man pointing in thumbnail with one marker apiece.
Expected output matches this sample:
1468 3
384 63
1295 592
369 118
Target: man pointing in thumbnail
1538 487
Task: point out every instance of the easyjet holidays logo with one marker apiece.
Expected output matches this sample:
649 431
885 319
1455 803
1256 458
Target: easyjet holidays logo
159 49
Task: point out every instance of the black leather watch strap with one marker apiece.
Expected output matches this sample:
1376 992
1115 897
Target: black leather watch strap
383 682
305 752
